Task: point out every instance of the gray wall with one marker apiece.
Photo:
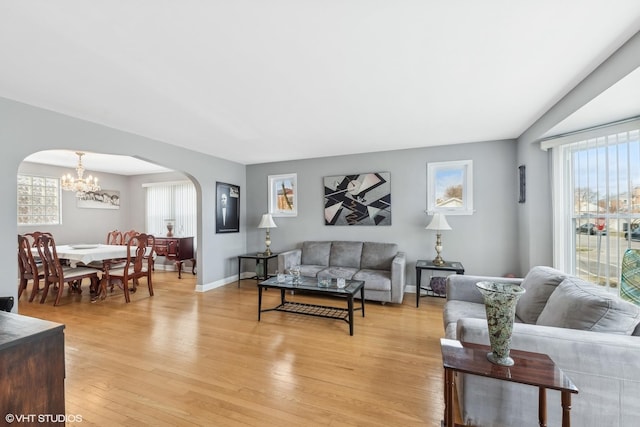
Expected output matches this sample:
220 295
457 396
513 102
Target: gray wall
485 242
25 130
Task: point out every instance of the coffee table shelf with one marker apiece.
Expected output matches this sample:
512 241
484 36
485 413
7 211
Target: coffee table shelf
313 310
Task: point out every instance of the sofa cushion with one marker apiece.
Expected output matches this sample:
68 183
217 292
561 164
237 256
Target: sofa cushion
311 270
378 256
335 272
316 253
374 280
539 284
577 304
345 254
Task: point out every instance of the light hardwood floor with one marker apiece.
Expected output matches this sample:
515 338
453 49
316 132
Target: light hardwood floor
186 358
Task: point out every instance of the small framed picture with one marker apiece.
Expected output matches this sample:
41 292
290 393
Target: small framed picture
227 208
450 187
283 195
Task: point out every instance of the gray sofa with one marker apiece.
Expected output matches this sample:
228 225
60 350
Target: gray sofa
380 265
590 333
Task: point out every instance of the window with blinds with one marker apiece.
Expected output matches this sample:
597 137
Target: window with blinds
171 201
38 200
597 201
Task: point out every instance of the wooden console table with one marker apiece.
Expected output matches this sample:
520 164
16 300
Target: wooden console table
534 369
177 249
32 369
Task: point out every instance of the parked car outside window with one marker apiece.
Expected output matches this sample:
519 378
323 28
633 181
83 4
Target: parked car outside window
589 228
635 235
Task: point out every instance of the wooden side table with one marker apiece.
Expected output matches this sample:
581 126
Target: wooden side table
534 369
260 259
451 266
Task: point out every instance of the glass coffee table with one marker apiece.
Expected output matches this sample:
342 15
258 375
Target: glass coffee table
310 285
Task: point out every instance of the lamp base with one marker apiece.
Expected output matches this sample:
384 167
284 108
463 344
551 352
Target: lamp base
267 252
438 260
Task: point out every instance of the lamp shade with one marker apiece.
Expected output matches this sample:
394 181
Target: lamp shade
267 222
438 222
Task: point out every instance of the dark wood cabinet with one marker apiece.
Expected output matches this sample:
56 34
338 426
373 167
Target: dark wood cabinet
32 370
177 249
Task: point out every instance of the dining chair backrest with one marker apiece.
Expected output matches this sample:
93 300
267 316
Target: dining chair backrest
127 235
115 237
47 250
33 237
140 252
27 266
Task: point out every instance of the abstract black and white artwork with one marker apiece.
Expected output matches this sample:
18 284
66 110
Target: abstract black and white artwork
362 199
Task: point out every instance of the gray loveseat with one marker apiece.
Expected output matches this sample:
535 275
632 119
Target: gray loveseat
380 265
590 333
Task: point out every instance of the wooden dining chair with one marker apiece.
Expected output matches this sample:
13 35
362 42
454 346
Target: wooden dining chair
139 264
28 268
57 275
115 237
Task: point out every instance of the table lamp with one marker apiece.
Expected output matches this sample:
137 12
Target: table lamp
438 223
267 222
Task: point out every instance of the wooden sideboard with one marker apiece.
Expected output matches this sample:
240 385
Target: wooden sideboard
177 249
32 369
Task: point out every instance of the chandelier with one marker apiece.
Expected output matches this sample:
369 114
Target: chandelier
80 184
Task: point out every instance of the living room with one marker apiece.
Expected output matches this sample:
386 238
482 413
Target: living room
501 237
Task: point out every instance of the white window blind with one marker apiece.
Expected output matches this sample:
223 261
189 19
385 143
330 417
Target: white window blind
176 201
596 201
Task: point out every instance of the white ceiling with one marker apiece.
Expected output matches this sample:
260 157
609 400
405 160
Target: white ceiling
262 81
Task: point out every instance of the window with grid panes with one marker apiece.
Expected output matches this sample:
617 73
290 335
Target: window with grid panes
596 200
38 200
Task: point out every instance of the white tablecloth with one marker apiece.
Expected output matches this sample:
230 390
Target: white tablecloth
88 253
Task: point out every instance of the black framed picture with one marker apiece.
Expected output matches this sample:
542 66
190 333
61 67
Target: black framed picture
227 208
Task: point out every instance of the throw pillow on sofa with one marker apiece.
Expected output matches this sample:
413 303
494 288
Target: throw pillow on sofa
577 304
539 283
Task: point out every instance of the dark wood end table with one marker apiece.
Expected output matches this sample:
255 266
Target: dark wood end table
260 259
534 369
451 266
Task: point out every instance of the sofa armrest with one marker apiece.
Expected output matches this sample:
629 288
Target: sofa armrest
463 288
288 259
398 277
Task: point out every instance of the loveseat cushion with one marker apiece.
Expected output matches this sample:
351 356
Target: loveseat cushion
539 283
345 254
576 304
335 272
378 256
316 253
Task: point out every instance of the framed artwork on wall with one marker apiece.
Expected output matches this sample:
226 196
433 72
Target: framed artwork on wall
227 208
450 187
358 199
103 199
283 195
